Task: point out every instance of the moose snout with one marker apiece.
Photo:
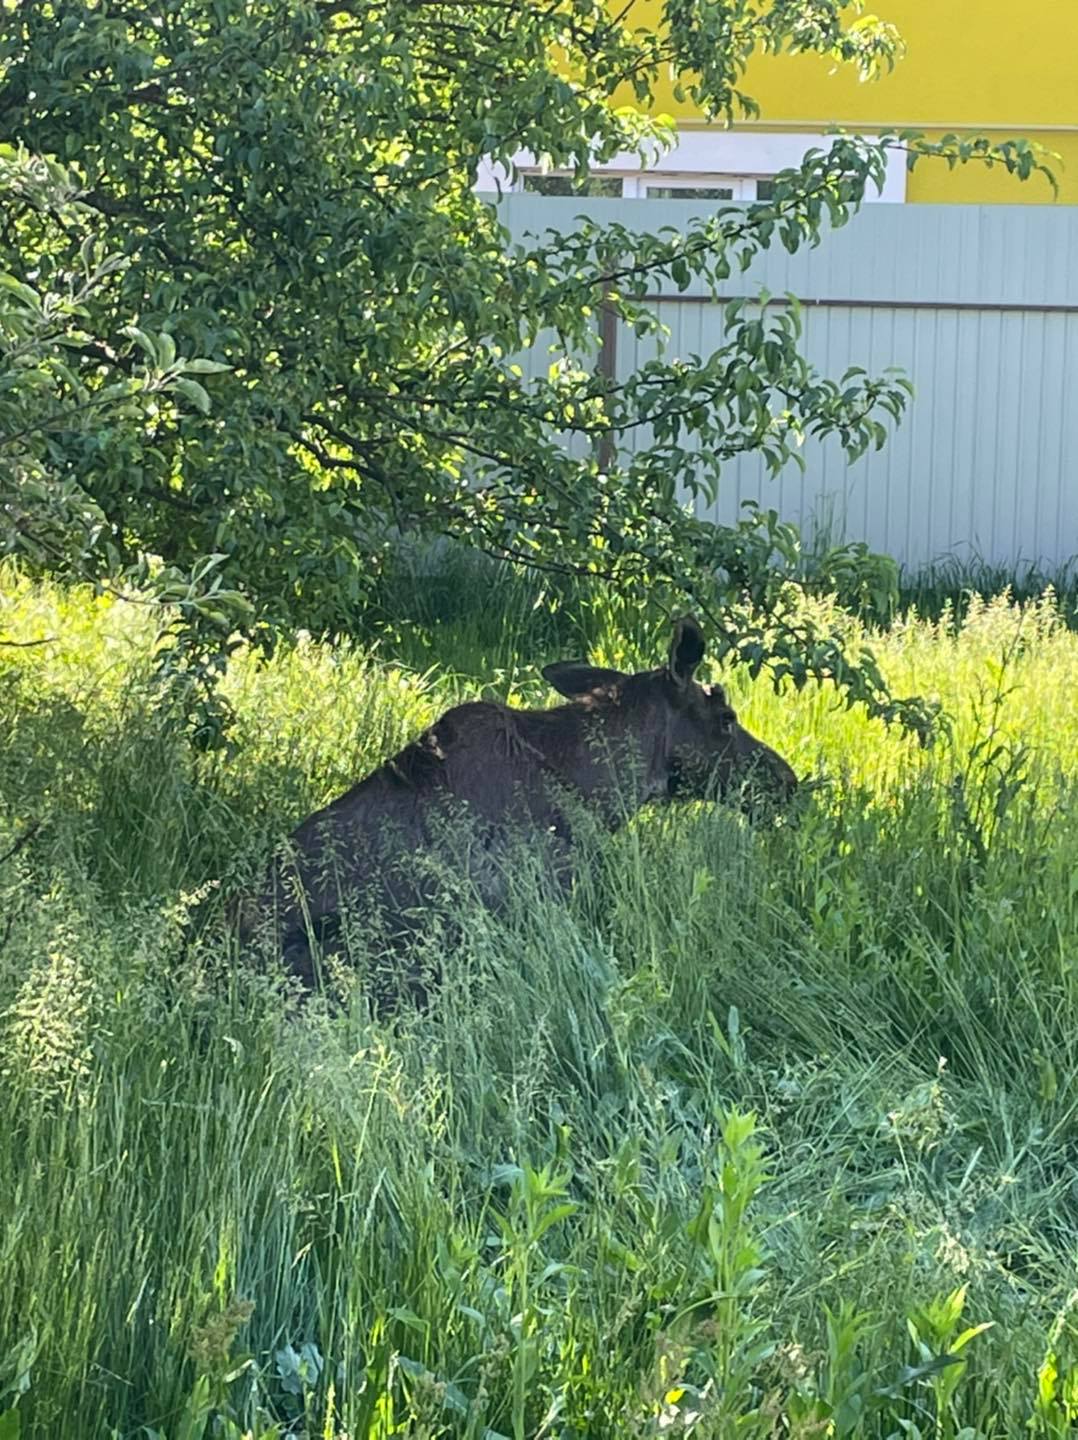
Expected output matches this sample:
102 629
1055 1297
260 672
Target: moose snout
763 767
783 774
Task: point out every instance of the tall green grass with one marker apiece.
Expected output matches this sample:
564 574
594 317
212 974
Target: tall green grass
751 1138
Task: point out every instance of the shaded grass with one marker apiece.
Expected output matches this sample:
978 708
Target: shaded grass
538 1208
950 584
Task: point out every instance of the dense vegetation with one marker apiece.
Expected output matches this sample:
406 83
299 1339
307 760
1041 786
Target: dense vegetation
770 1132
255 320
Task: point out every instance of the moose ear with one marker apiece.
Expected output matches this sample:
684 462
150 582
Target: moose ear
686 650
576 677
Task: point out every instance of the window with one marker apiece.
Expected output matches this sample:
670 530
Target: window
690 192
654 186
703 164
602 185
713 187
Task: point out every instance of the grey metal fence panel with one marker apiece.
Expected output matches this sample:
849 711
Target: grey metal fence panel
977 304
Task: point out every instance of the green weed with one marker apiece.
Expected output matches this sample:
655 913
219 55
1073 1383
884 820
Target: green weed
769 1131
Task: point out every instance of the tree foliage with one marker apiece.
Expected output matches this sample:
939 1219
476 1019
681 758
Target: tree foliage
255 321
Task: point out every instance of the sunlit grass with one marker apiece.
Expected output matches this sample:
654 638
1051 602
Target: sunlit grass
539 1208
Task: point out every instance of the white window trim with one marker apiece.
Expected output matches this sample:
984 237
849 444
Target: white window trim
636 187
718 155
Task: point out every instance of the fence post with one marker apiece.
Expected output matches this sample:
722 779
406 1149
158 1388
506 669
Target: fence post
608 369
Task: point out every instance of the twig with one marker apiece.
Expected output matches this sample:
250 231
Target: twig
27 835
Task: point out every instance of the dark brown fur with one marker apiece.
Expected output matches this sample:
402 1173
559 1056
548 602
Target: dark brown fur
620 741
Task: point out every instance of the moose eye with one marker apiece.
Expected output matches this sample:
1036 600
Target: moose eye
726 718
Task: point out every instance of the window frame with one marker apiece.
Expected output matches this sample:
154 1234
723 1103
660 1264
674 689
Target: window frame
742 187
704 156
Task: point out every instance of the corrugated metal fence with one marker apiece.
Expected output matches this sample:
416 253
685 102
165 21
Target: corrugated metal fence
978 304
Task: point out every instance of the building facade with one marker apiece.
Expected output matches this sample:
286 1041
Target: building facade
971 66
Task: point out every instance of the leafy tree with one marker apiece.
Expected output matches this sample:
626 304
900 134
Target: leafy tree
281 192
49 404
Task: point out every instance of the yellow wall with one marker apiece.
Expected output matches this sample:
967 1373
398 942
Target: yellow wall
985 66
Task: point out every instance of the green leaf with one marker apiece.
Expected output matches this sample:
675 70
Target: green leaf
204 367
25 293
910 1374
195 393
166 350
145 342
967 1335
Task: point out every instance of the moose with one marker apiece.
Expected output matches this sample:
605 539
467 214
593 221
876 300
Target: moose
620 741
